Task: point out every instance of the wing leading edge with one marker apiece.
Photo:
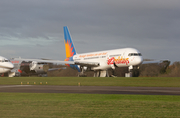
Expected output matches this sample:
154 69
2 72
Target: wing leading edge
89 64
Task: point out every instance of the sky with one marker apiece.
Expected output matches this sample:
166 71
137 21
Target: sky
34 28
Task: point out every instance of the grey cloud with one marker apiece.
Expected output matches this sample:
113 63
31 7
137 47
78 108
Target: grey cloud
151 26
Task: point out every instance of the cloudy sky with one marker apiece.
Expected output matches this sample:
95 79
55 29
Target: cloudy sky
34 28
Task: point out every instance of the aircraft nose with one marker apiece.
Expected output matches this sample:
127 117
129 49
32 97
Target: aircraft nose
139 60
10 65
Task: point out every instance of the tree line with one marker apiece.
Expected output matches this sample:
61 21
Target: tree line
163 69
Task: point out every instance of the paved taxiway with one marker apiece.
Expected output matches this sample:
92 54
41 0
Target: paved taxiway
90 89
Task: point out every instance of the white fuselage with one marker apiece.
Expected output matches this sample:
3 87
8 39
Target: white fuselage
124 57
5 65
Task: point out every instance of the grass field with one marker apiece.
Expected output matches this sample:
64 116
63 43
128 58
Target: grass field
93 81
53 105
40 105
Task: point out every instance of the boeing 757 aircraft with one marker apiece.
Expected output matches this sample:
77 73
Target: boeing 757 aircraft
5 65
99 62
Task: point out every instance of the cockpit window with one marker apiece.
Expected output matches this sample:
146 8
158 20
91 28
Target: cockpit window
4 60
134 54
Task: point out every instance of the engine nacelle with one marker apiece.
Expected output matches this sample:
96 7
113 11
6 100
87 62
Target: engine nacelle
84 68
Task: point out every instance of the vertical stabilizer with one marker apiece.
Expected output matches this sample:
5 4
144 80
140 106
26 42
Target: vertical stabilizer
69 46
70 49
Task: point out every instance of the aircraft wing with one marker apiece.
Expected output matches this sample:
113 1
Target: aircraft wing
45 60
155 61
52 69
89 64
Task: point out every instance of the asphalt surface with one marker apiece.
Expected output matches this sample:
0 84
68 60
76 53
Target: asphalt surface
90 89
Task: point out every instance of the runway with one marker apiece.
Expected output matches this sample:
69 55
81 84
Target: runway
90 89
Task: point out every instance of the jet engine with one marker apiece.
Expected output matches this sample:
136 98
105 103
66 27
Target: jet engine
84 68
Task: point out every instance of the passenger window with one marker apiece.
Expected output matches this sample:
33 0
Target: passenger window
134 54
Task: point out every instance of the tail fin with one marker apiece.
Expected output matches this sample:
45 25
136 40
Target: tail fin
70 49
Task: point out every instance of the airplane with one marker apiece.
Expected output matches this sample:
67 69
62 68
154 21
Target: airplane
28 67
99 62
5 65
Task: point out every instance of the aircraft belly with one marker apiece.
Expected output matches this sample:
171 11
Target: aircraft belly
3 70
106 67
122 65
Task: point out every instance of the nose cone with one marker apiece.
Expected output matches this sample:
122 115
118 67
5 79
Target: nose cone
139 60
10 65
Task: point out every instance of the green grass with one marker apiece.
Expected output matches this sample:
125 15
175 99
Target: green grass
40 105
53 105
90 81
